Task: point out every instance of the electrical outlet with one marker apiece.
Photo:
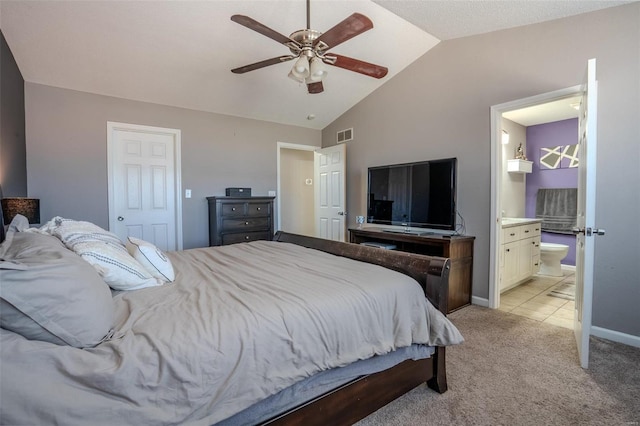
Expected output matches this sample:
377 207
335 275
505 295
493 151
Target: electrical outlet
187 193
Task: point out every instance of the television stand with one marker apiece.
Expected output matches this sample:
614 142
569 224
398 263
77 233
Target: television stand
458 248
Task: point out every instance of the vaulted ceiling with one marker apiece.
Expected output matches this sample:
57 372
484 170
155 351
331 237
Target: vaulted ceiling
180 53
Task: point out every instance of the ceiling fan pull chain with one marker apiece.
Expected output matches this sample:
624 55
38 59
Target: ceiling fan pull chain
308 14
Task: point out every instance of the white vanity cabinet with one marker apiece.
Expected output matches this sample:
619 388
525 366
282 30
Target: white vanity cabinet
520 257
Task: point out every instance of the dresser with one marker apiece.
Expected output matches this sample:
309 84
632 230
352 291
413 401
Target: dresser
240 219
458 248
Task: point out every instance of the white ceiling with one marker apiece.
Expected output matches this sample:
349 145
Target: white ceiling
562 109
180 53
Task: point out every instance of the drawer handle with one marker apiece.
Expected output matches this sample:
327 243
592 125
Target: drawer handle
508 250
246 237
233 209
259 208
512 234
246 223
526 231
533 242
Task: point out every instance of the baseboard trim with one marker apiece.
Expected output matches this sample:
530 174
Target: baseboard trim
616 336
480 301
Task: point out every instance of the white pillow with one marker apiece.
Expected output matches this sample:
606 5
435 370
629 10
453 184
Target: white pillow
152 258
116 266
104 251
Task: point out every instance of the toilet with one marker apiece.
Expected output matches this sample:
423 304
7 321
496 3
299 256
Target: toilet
550 256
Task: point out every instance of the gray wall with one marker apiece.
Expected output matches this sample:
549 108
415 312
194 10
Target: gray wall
13 152
440 107
67 153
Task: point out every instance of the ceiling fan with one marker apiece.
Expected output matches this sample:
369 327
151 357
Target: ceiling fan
309 48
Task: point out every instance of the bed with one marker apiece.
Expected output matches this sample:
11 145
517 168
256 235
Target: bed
296 330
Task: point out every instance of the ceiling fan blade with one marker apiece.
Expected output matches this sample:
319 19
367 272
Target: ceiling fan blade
262 64
315 87
254 25
356 65
345 30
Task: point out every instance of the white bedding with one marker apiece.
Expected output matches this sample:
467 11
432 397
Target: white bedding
239 323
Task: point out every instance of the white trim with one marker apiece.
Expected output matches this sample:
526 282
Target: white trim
616 336
496 176
480 301
177 138
286 145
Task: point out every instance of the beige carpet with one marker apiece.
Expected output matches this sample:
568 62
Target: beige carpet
515 371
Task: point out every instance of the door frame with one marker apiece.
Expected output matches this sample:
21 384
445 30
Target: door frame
113 126
281 146
496 177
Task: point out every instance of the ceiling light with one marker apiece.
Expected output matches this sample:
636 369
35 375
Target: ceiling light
505 137
317 70
300 69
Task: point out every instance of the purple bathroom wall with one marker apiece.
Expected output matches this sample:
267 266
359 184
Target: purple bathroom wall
547 135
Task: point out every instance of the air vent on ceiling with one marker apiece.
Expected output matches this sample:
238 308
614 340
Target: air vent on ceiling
345 135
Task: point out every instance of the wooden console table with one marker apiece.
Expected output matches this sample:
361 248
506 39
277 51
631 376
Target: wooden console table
457 248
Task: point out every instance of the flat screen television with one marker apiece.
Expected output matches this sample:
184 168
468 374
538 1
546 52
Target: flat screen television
420 194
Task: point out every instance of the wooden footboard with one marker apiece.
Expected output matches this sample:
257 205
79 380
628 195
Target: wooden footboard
364 395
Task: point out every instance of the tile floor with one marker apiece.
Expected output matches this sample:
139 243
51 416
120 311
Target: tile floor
530 300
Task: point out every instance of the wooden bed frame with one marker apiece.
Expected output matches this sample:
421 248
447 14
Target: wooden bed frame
359 398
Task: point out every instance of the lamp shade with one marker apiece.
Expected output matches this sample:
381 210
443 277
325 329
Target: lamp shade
317 70
301 68
27 207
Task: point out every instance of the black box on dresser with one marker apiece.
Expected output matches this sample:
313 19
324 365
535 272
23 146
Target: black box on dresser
240 219
238 192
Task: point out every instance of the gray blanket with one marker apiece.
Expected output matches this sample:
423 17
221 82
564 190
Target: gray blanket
240 323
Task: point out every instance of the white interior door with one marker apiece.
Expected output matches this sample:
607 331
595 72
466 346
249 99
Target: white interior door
330 192
586 229
144 185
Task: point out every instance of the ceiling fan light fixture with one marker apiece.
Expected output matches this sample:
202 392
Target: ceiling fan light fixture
317 69
301 67
294 76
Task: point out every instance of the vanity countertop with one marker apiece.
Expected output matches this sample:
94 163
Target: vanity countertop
508 222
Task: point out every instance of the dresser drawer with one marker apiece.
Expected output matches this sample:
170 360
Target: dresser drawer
258 209
245 237
233 209
248 223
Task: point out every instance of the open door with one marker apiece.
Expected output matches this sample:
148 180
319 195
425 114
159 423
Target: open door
330 192
586 230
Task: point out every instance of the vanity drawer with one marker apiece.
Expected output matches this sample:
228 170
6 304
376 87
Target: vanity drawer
531 230
247 222
511 234
245 237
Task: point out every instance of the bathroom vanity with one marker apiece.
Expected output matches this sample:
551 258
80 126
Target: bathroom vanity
520 251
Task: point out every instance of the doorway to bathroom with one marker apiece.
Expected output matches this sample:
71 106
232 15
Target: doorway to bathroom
539 205
585 228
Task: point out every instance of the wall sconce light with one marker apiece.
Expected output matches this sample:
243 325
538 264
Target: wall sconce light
505 137
27 207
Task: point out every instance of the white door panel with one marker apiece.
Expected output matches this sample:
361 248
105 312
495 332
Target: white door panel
586 214
144 199
330 165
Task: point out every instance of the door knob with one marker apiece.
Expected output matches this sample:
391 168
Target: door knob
342 213
120 218
588 231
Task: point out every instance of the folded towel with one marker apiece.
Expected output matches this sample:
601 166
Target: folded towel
558 209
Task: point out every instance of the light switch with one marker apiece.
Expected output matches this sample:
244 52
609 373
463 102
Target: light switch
187 193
